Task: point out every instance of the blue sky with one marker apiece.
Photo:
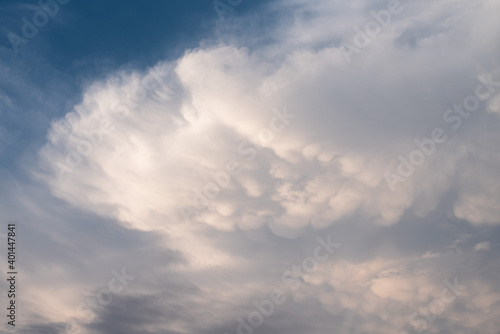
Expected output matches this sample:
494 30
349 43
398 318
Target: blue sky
294 166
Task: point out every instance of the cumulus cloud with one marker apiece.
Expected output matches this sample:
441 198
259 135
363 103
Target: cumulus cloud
234 137
144 145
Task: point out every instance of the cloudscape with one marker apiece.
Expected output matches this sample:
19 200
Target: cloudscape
244 166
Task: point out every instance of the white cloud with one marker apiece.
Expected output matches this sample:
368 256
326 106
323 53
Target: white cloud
145 163
485 245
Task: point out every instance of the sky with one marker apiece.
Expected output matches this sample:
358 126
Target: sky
250 166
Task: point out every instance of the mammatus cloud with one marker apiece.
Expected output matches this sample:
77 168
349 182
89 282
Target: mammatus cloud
307 135
231 138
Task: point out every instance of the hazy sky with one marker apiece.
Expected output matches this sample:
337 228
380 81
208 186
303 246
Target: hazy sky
244 166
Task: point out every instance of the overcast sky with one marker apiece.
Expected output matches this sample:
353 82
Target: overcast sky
244 166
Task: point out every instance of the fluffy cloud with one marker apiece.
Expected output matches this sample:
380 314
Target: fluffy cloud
246 136
145 146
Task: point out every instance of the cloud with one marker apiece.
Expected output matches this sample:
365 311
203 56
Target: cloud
236 145
485 245
184 121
